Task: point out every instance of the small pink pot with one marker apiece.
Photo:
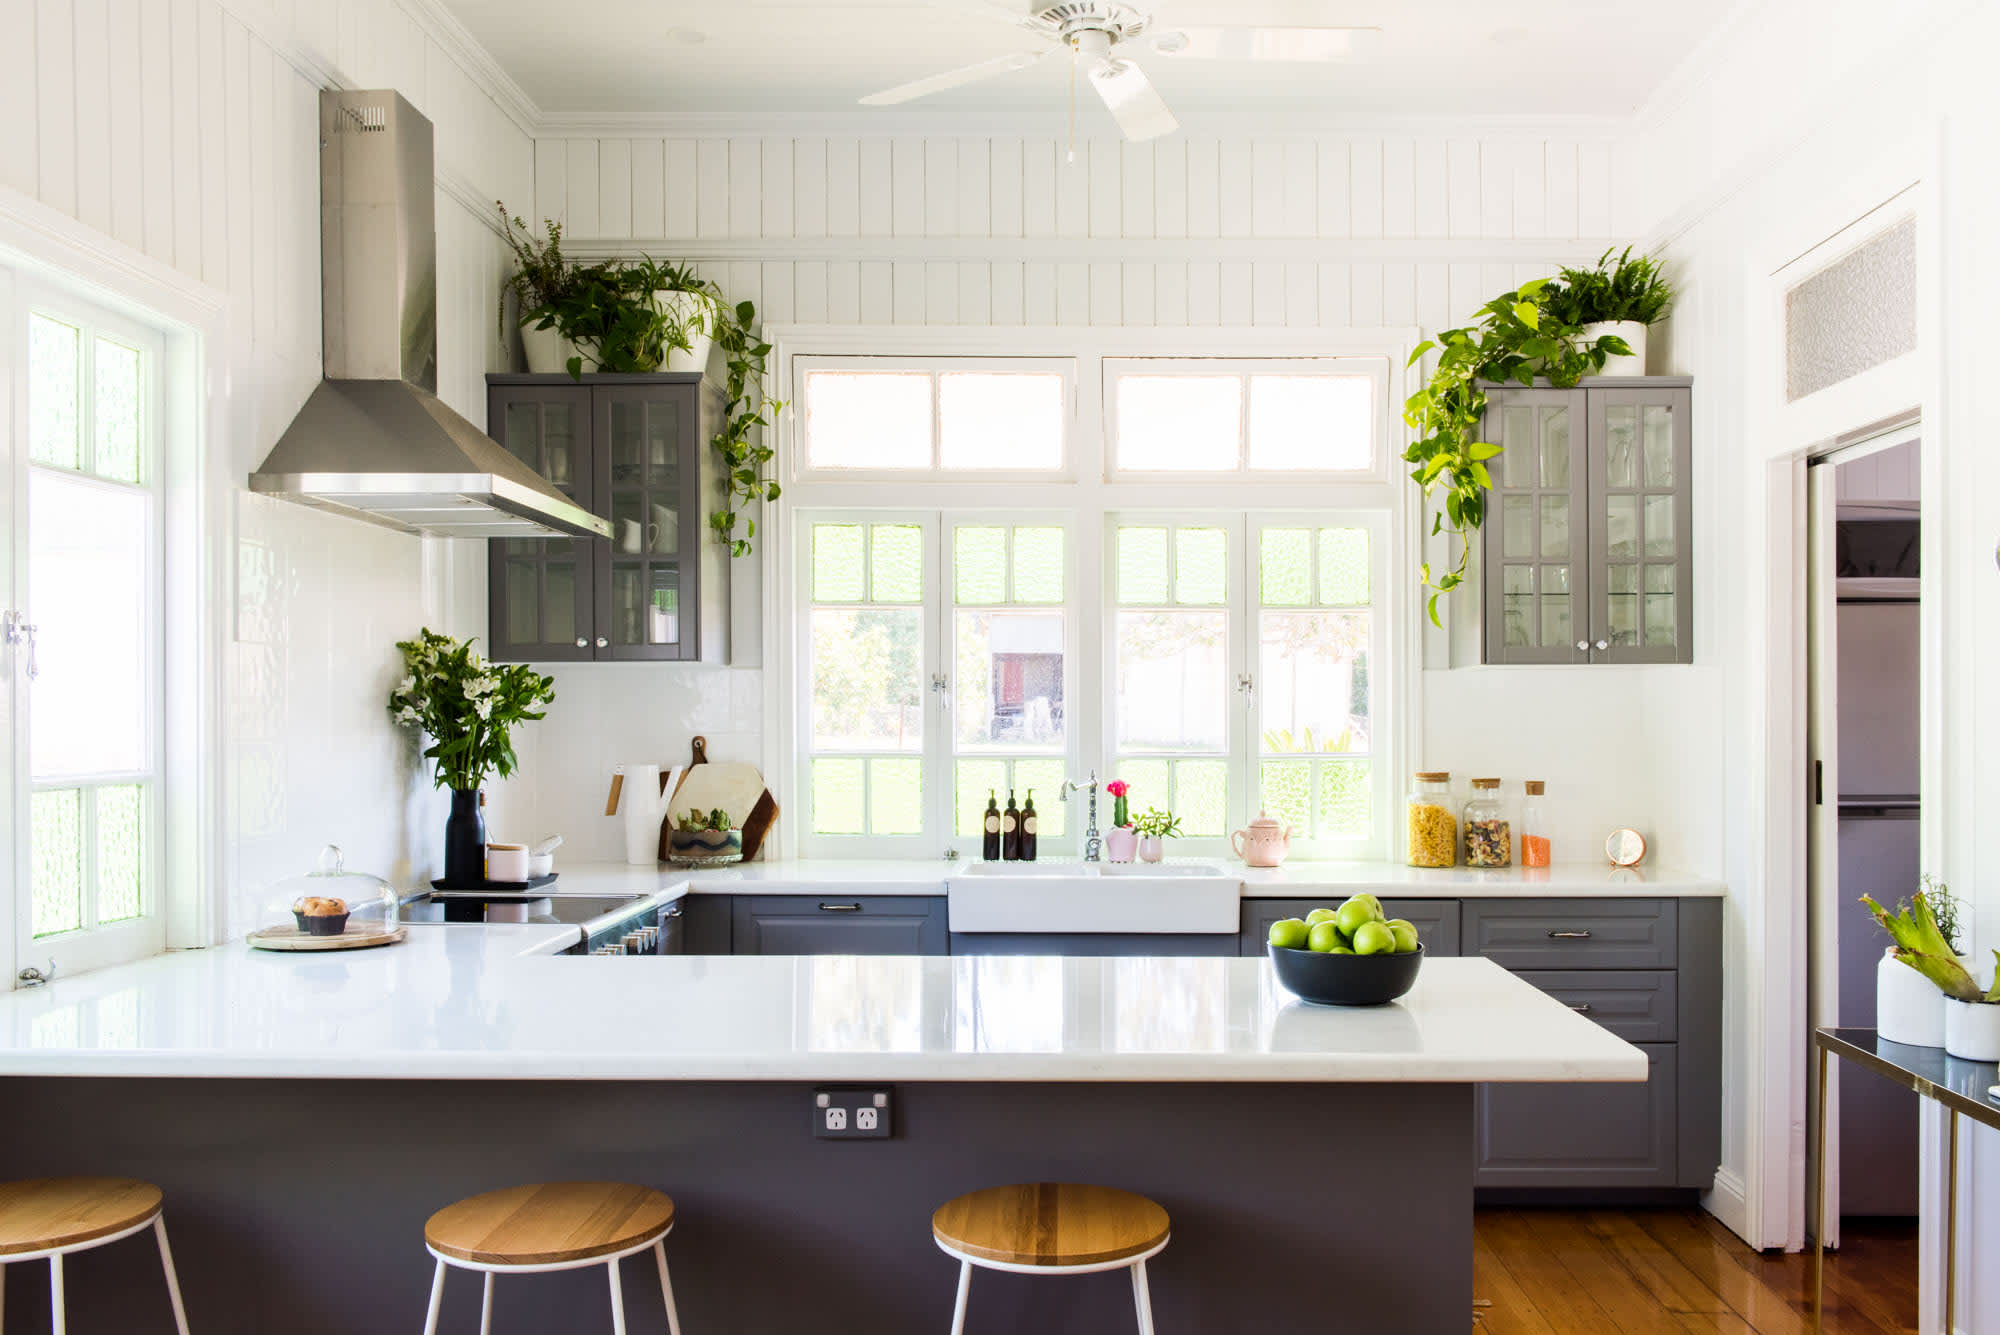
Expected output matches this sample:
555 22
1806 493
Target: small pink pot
1120 844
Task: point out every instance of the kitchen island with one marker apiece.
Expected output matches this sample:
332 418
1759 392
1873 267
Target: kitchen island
306 1114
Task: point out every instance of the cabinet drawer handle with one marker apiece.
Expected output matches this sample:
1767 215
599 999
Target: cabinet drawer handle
1569 936
1580 1007
840 908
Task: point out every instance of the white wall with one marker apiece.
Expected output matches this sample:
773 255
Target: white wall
185 131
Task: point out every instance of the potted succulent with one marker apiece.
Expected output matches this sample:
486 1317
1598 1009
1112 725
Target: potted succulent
1121 841
706 839
1618 298
1971 1013
1154 828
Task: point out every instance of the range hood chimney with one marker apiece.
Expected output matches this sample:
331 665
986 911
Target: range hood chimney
373 441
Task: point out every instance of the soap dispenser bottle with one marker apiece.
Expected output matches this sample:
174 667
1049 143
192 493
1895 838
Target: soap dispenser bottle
989 847
1028 837
1010 830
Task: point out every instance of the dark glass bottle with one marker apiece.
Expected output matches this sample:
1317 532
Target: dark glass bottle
1028 837
1010 830
989 847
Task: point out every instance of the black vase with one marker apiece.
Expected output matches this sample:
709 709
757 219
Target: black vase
465 840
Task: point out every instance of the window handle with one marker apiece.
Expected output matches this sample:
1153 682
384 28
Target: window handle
941 684
1246 684
20 632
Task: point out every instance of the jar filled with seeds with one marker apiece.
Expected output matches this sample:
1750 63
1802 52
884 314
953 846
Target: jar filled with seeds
1433 829
1489 840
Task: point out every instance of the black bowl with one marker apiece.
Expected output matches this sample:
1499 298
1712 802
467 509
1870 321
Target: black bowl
1346 980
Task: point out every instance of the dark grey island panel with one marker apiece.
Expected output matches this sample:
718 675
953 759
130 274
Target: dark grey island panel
838 924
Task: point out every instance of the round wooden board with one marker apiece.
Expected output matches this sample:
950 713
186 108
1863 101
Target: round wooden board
291 938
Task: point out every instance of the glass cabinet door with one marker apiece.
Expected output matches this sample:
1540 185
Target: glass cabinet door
541 607
649 434
1535 577
1641 512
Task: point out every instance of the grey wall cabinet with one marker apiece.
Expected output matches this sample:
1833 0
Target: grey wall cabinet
1587 545
838 924
635 450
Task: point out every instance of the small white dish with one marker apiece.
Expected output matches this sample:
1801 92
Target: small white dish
540 864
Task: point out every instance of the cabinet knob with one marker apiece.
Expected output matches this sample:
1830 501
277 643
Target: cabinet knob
1582 646
582 643
1604 644
603 643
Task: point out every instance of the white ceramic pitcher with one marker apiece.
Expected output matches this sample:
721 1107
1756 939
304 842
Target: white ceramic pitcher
644 806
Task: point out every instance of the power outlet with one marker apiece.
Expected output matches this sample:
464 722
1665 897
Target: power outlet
851 1114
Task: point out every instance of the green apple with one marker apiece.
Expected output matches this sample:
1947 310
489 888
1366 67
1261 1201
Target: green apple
1289 933
1357 911
1319 916
1341 950
1324 937
1374 938
1406 935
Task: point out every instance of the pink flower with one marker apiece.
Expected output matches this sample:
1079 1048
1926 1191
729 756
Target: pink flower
1118 788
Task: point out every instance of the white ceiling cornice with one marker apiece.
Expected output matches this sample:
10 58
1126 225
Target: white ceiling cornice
470 55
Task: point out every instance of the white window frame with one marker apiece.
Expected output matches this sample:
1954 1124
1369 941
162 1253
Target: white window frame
1091 496
1376 369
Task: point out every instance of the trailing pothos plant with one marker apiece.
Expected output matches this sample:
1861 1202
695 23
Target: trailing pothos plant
744 441
1514 339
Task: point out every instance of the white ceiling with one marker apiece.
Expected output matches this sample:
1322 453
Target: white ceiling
1475 59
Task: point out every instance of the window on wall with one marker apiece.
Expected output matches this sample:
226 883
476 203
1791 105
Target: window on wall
1194 608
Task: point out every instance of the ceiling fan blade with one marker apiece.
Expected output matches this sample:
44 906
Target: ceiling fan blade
937 83
1297 45
1133 101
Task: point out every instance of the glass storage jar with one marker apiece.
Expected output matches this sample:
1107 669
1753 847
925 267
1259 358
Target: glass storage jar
1534 827
1489 841
1433 829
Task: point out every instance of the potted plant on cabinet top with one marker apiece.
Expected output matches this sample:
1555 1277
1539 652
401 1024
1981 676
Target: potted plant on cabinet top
1154 828
542 285
1971 1014
1619 298
1121 841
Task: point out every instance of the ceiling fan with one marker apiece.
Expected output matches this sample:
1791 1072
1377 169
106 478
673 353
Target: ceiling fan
1098 32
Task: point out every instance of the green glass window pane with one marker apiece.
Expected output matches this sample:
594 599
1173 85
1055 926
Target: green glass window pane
1343 567
896 796
1285 791
54 382
1201 797
898 563
979 565
1201 566
1038 565
1285 563
56 862
1045 778
117 384
1149 788
838 790
1142 566
976 781
840 566
1346 806
121 861
867 668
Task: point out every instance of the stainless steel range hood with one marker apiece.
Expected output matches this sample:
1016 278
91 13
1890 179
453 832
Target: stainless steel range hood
374 441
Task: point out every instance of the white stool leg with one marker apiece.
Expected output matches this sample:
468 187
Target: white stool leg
486 1307
173 1279
964 1292
437 1300
56 1322
667 1288
617 1300
1142 1298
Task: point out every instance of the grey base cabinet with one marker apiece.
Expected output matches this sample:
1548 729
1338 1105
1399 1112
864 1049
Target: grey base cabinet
837 925
1115 944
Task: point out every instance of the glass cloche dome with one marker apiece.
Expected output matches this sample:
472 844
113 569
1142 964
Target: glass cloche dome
331 900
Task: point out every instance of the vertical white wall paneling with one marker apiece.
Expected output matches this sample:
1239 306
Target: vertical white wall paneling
18 91
614 189
126 160
1560 189
906 187
1496 187
975 188
683 187
1267 188
1399 293
877 292
263 197
843 292
580 174
214 148
780 175
1140 293
1204 189
1335 188
940 184
1072 294
809 292
809 182
843 187
185 91
1072 190
1238 293
1138 201
55 103
1038 188
940 301
1433 296
1170 293
1465 295
1301 206
877 207
1237 201
1107 292
1462 179
975 293
236 95
649 187
1364 184
1006 189
551 201
1204 279
1336 295
1399 186
746 182
1301 281
1593 190
1267 293
1531 211
909 291
1170 201
1106 185
1366 310
154 43
1010 296
779 302
1038 287
711 189
1432 187
93 114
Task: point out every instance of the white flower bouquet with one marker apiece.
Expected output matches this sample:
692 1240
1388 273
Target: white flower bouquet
466 705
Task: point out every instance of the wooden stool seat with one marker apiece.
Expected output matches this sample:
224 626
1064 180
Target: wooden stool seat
550 1223
50 1212
1053 1224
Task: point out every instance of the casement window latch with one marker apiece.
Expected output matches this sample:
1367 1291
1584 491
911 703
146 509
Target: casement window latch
16 630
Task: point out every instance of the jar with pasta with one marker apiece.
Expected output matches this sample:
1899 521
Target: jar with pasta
1433 829
1489 839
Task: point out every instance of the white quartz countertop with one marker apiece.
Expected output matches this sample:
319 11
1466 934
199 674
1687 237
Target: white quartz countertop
1298 879
481 1003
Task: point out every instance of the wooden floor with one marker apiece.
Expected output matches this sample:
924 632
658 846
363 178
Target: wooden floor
1574 1272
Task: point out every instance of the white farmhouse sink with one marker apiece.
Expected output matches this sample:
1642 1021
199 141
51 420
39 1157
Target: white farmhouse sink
1094 897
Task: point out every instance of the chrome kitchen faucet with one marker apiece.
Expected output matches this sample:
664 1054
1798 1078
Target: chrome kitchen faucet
1093 843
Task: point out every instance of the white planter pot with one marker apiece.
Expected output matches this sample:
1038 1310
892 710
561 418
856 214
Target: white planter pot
1908 1006
1634 335
696 314
547 351
1972 1030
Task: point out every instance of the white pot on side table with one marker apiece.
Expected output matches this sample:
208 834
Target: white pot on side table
1972 1030
1908 1006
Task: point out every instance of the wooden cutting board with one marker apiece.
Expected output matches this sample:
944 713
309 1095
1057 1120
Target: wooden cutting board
291 938
737 788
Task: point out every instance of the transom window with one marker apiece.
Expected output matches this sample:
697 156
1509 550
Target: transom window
996 415
1226 416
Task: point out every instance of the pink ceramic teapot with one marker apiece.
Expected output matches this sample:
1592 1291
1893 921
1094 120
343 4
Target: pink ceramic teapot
1264 844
